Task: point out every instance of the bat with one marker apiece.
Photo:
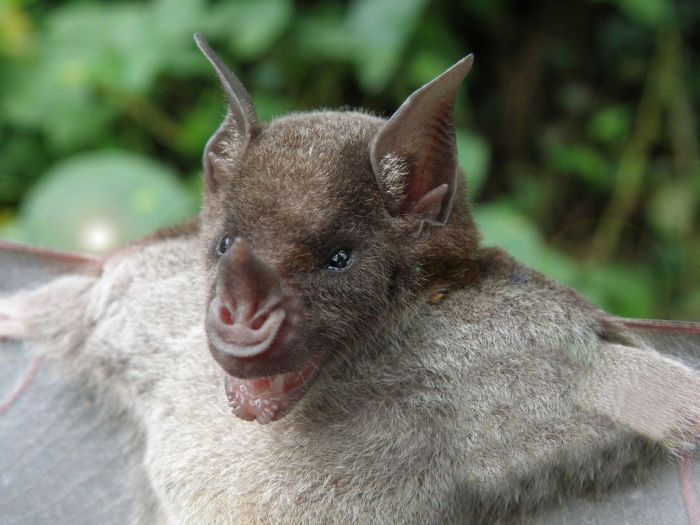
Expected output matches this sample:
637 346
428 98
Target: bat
330 342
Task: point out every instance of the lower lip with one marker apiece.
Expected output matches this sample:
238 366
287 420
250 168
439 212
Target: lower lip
270 398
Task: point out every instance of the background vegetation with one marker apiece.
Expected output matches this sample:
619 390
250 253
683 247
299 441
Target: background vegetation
577 127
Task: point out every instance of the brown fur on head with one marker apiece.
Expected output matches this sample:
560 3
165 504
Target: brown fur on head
301 188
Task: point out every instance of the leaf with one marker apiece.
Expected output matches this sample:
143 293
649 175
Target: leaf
651 13
584 162
611 124
381 30
98 201
671 209
251 26
91 61
16 30
474 156
323 36
504 227
623 289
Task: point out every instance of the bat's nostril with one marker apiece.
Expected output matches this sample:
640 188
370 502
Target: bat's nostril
259 321
225 316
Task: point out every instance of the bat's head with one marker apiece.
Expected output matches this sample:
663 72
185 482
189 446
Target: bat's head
319 228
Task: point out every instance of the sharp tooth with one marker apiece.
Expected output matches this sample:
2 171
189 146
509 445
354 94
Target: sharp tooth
278 383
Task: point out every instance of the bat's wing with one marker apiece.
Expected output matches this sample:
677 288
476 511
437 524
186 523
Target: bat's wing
680 339
27 266
633 381
61 459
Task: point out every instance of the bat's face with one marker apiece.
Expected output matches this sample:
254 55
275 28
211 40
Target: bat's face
304 260
318 228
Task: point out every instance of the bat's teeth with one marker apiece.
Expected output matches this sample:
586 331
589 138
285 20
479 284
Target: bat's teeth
265 417
277 383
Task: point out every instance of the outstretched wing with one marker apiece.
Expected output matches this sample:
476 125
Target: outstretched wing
62 460
28 266
679 339
646 376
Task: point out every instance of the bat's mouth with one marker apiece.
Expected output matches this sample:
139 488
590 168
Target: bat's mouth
270 398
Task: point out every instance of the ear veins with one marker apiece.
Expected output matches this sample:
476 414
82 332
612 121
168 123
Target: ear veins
439 145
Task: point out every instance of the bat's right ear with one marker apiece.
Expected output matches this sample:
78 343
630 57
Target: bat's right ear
232 137
414 155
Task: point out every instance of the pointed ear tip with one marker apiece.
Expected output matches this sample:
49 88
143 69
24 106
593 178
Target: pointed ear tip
467 62
202 43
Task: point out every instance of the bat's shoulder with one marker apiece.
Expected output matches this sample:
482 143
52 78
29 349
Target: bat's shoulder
506 288
515 307
160 255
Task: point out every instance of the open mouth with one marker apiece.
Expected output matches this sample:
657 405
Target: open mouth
270 398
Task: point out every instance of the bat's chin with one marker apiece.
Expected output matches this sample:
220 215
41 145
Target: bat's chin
270 398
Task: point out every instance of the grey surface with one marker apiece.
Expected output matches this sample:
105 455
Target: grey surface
653 499
61 459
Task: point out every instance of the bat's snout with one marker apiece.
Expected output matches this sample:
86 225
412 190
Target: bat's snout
248 317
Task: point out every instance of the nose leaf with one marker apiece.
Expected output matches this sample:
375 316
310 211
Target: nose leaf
247 284
246 312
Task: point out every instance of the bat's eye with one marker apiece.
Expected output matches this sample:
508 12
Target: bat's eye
224 244
339 261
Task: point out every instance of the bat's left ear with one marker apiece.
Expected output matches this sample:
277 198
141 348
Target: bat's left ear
414 155
232 137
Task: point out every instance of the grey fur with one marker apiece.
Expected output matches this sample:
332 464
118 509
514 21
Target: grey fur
472 391
438 426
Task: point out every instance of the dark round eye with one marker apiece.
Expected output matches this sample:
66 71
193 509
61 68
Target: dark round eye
224 244
340 260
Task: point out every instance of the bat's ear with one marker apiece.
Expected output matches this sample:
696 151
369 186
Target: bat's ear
414 155
232 137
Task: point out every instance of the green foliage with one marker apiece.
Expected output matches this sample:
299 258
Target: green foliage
576 128
71 209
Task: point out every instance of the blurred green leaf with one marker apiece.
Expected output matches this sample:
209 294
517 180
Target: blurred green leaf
251 26
651 13
504 227
10 228
584 162
427 64
622 289
372 35
381 29
89 62
98 201
611 124
323 36
473 155
672 208
16 31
